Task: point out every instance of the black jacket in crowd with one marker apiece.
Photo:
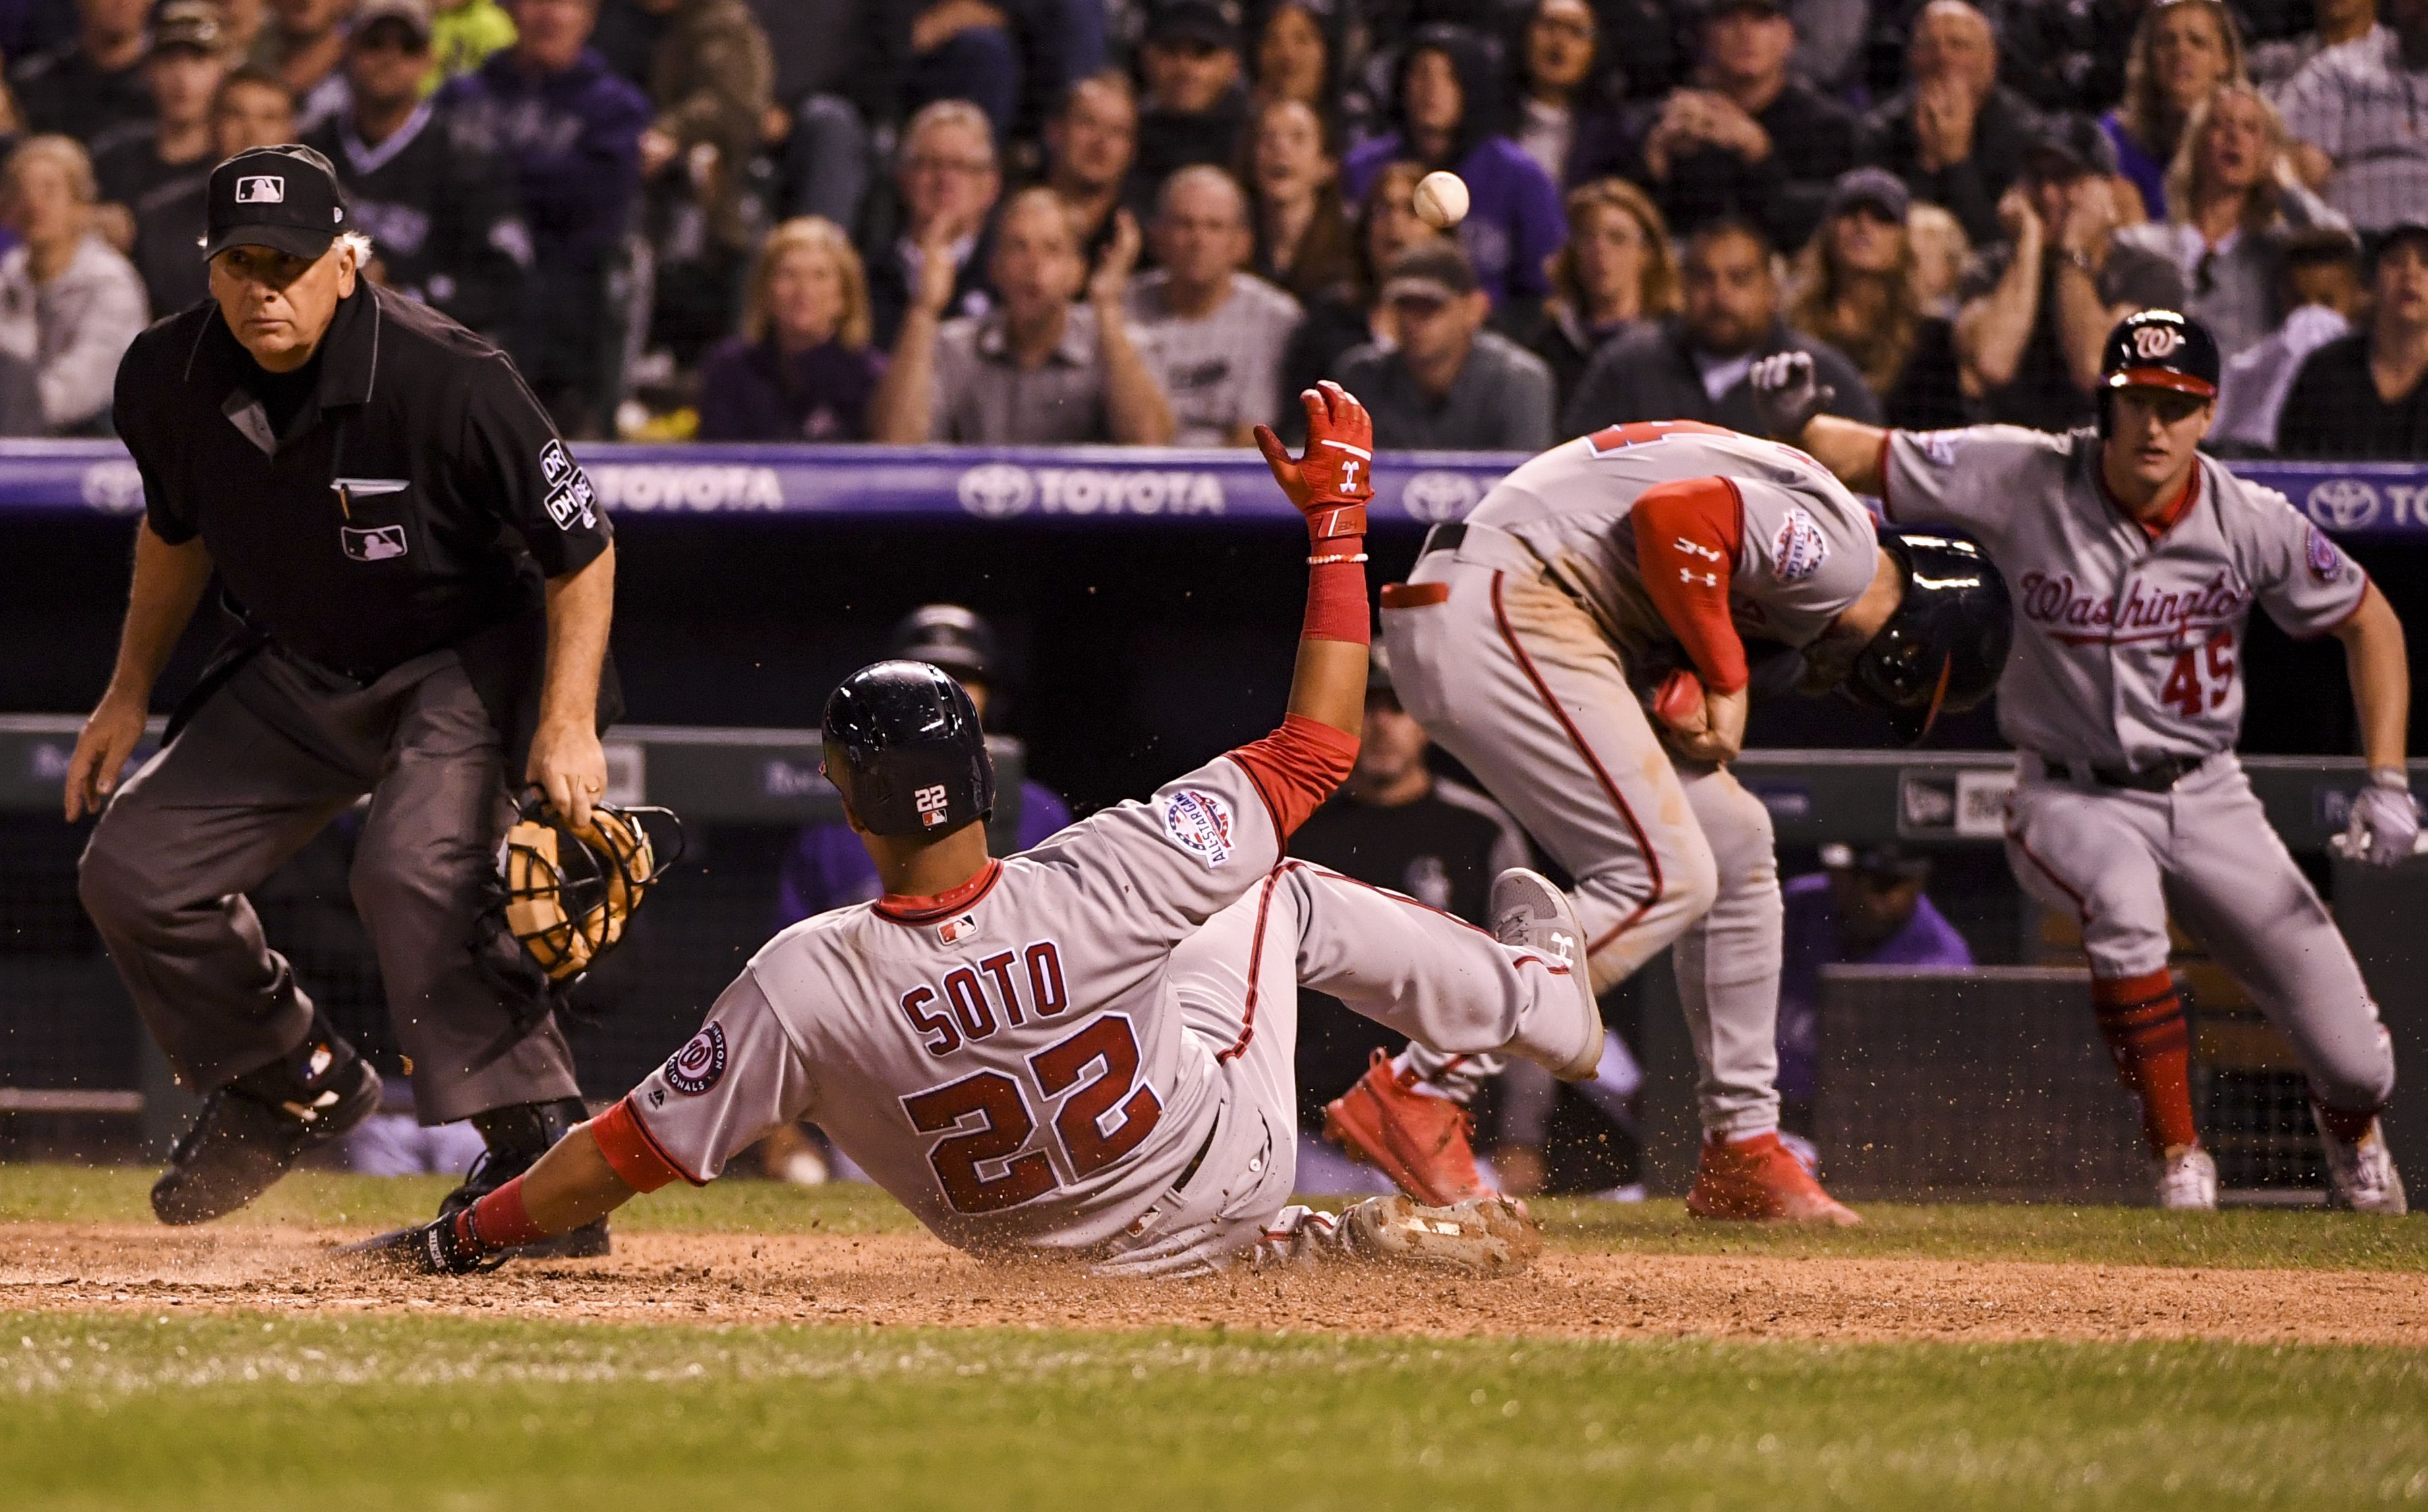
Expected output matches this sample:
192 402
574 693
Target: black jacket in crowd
443 216
1970 189
1813 139
2334 409
1650 375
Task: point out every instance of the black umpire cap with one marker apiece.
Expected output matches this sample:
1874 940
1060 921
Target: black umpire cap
284 198
2161 348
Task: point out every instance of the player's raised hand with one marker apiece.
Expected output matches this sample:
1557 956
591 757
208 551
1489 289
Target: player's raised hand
2385 826
1787 393
1335 477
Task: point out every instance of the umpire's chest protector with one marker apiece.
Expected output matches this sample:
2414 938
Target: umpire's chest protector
413 500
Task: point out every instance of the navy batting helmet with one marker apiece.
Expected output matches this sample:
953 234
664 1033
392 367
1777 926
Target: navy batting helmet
1942 650
905 750
2157 349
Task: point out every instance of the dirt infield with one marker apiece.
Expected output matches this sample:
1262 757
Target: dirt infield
900 1280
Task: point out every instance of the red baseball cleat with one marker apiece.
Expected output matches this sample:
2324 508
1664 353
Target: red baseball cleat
1759 1178
1418 1141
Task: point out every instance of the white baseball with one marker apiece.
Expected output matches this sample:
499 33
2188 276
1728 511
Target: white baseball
1440 200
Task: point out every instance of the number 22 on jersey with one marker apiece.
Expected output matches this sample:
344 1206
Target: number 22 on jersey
988 1119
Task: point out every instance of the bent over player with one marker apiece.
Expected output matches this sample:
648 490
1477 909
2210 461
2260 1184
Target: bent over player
2136 562
1627 580
1086 1047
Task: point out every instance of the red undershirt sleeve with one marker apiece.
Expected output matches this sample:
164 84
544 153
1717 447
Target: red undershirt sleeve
1687 536
632 1154
1297 767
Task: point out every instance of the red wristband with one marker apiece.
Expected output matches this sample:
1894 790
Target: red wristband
1336 594
499 1220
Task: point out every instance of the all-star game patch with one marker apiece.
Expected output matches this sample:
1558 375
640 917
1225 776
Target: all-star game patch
700 1064
1799 548
1200 824
2326 558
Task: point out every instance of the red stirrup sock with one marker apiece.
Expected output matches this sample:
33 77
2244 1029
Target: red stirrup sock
2141 1018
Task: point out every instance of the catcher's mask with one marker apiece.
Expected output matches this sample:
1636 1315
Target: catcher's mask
905 748
1942 650
570 894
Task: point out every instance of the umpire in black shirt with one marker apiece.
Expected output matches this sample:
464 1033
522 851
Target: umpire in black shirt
421 583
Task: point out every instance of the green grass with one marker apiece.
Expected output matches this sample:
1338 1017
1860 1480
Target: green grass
257 1411
249 1412
2105 1236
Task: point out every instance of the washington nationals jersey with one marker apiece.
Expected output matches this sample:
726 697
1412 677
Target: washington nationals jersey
2128 647
1008 1060
1809 548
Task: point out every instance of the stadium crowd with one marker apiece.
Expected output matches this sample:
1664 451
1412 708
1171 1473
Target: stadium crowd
1147 221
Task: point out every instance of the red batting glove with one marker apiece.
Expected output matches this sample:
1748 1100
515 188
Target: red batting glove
1331 483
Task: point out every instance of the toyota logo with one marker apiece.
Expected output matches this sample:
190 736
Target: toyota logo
1435 496
2343 504
995 490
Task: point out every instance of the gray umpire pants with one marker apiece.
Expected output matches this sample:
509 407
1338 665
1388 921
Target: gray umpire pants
265 764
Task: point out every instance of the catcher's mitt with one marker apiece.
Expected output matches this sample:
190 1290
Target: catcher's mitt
569 893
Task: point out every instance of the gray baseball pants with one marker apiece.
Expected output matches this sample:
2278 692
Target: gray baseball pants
1435 979
1517 680
2123 862
265 764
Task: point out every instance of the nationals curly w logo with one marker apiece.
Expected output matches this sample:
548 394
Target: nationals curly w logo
699 1066
2152 342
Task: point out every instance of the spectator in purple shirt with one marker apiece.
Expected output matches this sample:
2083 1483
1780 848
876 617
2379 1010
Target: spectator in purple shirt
1863 908
571 129
827 867
1446 96
802 369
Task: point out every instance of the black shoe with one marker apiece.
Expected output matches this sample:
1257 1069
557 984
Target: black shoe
242 1142
517 1137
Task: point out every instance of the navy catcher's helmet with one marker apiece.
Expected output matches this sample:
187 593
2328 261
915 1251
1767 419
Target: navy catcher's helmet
2157 349
905 750
1942 650
949 636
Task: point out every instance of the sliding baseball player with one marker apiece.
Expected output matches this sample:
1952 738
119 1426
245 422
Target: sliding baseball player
1086 1048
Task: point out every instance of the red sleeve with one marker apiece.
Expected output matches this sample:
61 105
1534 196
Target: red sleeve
1335 592
632 1154
1296 768
1687 535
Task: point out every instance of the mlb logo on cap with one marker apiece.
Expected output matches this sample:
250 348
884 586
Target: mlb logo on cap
283 198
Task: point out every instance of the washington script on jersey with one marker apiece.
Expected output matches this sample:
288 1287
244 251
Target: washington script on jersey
2141 614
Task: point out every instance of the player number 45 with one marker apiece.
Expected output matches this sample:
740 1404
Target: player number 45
990 1120
2201 678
